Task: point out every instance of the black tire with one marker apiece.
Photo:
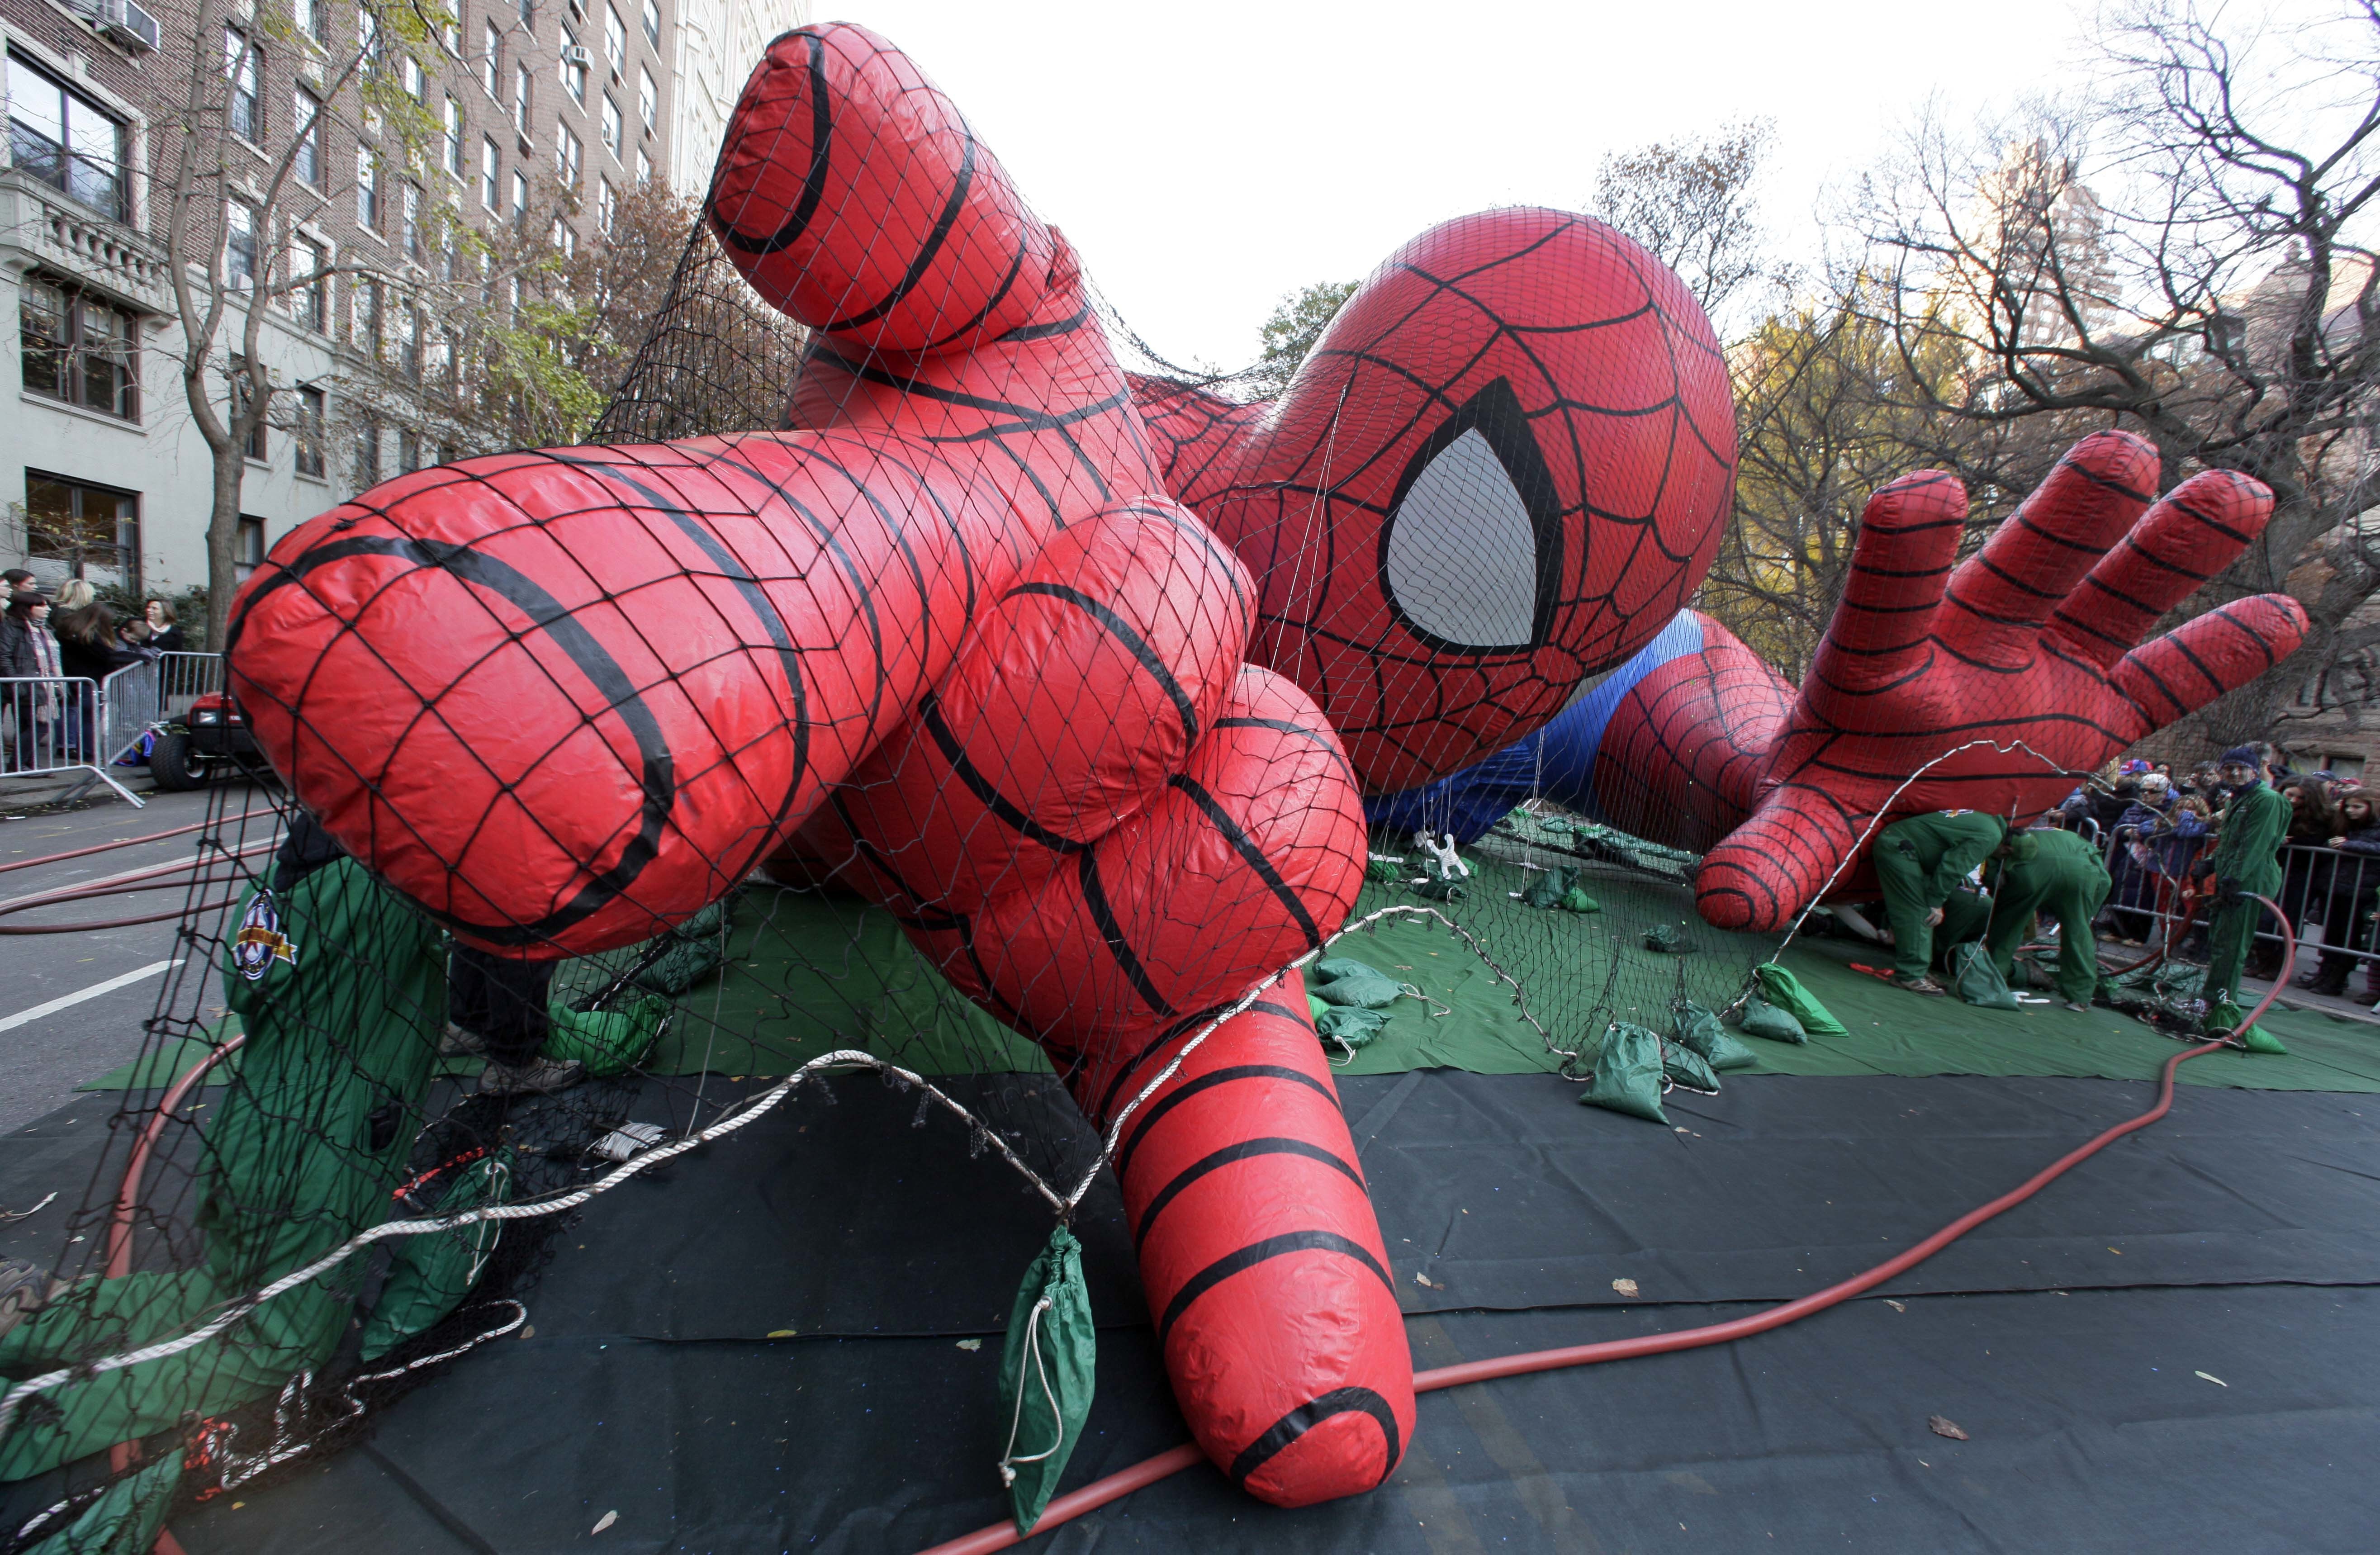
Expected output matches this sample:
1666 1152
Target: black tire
172 766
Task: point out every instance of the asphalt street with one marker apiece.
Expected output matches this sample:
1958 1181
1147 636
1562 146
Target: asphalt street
71 1005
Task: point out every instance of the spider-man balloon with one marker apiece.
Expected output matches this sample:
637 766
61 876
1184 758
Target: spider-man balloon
1084 679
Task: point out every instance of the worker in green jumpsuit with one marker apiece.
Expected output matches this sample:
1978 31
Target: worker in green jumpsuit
2061 873
1919 862
2247 859
341 988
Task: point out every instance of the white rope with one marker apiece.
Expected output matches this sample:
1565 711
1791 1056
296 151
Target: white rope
1008 1457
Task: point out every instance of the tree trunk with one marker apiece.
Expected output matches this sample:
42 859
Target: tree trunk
222 543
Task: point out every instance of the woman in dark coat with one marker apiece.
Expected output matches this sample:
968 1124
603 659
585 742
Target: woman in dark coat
87 645
2352 883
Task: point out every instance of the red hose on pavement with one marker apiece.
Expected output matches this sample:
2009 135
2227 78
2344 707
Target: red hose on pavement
128 841
1003 1535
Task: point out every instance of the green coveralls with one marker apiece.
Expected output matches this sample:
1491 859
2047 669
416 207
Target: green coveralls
1919 862
2064 876
312 1132
2247 857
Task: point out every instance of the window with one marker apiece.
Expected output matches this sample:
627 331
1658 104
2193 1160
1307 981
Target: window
529 14
235 383
449 366
520 98
520 197
653 23
367 451
368 50
607 205
644 166
417 81
304 298
415 248
306 436
492 67
409 451
248 547
611 126
567 156
367 189
488 155
574 75
88 527
306 115
243 112
239 245
615 39
78 349
408 341
64 140
648 98
311 16
363 297
454 149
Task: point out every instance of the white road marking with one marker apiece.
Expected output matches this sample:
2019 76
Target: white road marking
70 1000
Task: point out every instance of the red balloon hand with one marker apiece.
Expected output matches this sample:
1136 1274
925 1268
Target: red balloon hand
1996 688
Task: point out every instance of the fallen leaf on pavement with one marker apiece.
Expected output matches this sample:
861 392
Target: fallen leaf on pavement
1896 1305
1941 1427
606 1521
1421 1278
2217 1381
970 1343
1626 1287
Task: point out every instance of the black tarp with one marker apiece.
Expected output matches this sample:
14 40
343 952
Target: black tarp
2234 1238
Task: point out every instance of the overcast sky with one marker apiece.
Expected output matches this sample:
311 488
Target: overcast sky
1206 158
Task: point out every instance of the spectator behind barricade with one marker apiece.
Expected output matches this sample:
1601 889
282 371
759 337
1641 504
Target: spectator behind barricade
86 645
33 709
73 594
2109 803
133 637
2073 811
163 635
2348 883
17 579
2131 896
2305 872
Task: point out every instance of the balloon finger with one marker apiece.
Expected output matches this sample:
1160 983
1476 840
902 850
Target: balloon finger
2186 538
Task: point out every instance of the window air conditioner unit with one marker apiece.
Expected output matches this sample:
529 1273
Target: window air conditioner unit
126 22
577 54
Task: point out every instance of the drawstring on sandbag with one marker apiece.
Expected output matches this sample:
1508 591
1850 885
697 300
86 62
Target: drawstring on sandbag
1008 1458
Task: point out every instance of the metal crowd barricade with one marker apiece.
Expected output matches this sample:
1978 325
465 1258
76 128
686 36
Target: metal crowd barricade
130 701
183 678
2332 888
55 723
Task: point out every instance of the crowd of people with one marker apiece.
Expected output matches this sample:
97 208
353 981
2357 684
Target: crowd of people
2160 828
61 633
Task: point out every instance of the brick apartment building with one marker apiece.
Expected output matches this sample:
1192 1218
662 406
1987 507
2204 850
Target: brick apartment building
103 470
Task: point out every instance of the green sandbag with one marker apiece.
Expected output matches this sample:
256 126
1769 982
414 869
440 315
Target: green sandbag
125 1519
2224 1019
1976 981
1686 1068
1316 1006
1381 870
1785 991
1548 889
1436 891
1628 1074
1345 981
1047 1373
429 1275
1576 900
607 1041
1350 1028
671 963
1699 1030
1666 938
1760 1018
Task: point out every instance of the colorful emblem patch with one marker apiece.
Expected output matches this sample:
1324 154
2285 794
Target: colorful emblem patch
259 941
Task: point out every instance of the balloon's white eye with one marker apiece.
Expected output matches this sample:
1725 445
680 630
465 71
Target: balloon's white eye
1472 552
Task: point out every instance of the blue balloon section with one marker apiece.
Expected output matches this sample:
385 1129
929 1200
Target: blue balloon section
1556 763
